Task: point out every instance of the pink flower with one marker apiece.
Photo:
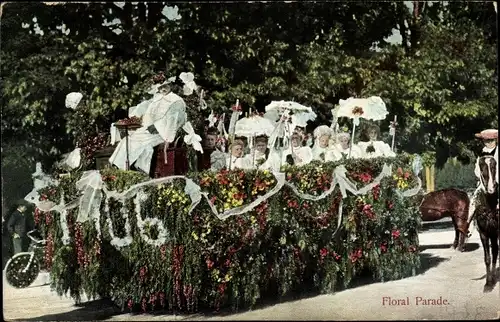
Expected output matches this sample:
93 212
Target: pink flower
395 234
367 210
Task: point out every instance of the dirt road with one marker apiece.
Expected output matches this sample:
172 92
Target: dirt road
450 286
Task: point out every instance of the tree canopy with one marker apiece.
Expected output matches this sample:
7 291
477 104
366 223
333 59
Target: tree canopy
441 80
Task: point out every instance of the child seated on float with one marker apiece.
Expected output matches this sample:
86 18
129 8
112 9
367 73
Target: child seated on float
297 154
259 153
322 135
341 148
371 147
236 157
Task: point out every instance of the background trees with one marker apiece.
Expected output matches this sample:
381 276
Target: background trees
440 80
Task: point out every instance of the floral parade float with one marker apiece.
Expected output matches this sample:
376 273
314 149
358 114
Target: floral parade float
228 237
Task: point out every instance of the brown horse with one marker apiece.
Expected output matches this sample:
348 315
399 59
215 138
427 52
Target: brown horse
487 218
452 203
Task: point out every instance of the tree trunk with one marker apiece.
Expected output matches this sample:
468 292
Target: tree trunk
415 27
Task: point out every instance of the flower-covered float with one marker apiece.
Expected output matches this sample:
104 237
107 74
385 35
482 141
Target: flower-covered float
229 236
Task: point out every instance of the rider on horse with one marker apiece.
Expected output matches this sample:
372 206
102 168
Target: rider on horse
490 138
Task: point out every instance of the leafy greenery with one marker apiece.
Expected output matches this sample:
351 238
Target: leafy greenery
440 80
283 246
456 175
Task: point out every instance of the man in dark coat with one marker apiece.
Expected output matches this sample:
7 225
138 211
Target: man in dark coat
17 228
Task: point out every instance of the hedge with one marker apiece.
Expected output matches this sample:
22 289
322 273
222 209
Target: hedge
283 246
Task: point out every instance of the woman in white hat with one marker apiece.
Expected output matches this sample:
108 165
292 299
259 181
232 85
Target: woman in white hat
372 147
322 135
342 147
297 154
490 138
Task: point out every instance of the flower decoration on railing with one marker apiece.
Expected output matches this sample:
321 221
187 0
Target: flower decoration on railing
357 111
134 120
401 178
236 107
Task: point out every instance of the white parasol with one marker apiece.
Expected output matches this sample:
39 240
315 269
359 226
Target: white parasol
254 125
280 106
372 108
301 118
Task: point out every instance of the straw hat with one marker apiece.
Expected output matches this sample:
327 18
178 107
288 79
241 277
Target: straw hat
490 134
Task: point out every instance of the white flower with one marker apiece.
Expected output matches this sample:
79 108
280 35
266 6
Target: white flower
162 231
212 119
171 79
189 84
73 99
125 80
186 77
25 25
34 19
171 13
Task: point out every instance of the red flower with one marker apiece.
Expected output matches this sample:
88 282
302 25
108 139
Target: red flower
222 288
400 171
296 251
355 255
390 204
365 177
293 204
367 210
376 192
335 255
323 252
406 175
358 110
236 108
227 263
383 247
395 234
130 304
205 182
221 178
212 200
142 273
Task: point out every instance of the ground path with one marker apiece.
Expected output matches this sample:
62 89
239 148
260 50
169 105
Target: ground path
447 274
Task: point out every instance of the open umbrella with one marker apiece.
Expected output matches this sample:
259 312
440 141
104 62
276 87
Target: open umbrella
254 125
280 106
372 108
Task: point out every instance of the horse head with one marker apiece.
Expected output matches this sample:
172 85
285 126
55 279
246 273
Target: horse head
487 168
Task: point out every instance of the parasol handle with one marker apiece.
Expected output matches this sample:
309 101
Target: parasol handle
352 139
394 132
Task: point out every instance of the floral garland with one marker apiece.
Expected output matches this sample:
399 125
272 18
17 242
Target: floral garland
162 231
116 241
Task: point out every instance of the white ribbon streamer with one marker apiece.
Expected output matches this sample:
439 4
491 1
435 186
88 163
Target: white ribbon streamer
115 134
92 186
191 138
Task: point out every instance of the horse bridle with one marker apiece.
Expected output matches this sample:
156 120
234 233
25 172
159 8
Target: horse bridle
481 177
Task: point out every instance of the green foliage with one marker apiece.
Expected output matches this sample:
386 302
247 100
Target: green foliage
440 81
456 175
282 246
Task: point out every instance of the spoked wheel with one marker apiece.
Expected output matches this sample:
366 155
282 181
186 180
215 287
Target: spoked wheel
16 273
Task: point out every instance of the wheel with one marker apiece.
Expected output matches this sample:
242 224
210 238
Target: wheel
15 267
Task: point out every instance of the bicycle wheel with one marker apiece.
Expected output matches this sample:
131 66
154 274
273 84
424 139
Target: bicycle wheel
15 274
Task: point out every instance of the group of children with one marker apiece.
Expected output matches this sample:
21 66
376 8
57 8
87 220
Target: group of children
328 145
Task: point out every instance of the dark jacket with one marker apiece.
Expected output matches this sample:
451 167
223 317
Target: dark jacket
17 223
